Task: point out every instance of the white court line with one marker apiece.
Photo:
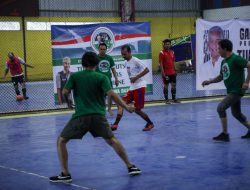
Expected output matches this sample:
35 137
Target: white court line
41 176
180 157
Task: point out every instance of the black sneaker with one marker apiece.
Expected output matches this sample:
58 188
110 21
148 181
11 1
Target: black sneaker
168 101
61 178
133 170
26 97
222 137
246 136
176 101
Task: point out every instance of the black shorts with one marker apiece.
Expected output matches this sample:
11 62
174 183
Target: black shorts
170 78
18 79
97 125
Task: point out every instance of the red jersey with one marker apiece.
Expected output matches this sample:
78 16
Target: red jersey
15 66
167 59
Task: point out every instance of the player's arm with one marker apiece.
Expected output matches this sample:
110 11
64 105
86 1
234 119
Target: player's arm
24 63
30 66
245 85
6 70
144 72
119 101
214 80
115 75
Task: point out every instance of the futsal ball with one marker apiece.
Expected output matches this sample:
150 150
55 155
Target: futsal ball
19 98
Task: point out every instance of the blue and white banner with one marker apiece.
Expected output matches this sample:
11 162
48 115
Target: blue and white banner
74 41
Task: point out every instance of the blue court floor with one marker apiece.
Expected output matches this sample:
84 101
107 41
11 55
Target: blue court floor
178 154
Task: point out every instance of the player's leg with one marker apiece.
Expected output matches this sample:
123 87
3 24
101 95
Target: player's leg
22 82
109 99
165 81
139 98
15 83
100 128
228 101
173 88
236 112
121 152
128 98
76 128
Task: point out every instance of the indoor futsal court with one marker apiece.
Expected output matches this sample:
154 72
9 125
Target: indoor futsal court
185 63
178 154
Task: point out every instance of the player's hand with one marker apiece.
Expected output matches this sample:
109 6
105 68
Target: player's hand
130 109
245 85
204 83
116 82
133 79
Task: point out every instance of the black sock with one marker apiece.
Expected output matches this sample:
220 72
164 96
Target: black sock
148 120
16 89
24 92
118 118
173 91
165 92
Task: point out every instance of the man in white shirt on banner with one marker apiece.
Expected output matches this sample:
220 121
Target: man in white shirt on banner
136 94
211 68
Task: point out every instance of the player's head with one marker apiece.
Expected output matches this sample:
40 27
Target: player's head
166 44
102 49
126 52
225 47
215 34
11 55
90 59
66 63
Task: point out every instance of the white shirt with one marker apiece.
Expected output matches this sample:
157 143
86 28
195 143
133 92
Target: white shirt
208 71
135 67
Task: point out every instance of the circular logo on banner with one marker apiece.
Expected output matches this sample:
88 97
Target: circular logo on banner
102 35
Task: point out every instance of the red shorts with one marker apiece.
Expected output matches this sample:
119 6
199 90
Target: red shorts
137 96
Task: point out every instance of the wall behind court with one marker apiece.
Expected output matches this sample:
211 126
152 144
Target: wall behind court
38 43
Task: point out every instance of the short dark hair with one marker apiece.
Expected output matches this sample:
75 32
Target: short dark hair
166 40
89 59
102 44
226 44
127 47
11 54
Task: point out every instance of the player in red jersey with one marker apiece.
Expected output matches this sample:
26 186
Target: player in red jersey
166 61
13 65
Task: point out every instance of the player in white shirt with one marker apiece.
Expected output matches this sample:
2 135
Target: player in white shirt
136 70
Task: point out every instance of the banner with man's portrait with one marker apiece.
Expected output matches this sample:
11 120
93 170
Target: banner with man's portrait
208 34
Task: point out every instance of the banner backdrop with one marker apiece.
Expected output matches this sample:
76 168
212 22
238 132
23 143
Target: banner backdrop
182 48
208 60
74 41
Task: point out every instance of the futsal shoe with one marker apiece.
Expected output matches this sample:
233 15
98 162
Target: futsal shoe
61 178
133 170
114 127
176 101
148 127
168 101
222 137
246 136
26 97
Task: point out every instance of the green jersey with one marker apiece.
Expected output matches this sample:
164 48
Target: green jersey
232 70
105 64
90 89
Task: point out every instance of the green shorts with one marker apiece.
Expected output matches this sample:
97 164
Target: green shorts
97 125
